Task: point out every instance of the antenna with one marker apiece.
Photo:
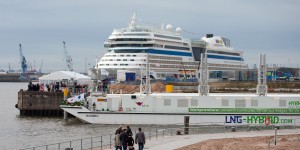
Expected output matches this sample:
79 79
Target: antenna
132 23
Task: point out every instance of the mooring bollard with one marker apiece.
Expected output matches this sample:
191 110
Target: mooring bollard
186 124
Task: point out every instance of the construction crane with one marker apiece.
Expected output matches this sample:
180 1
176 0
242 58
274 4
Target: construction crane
23 63
68 58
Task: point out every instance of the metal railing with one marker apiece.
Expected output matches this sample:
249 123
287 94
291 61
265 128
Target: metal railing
107 141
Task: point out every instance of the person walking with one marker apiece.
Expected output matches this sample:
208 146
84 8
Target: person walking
123 138
117 141
129 132
130 142
140 139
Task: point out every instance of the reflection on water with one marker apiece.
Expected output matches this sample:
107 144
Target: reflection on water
18 132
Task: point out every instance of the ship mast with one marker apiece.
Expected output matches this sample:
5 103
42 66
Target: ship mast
132 22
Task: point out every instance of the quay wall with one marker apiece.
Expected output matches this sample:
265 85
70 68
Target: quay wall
40 103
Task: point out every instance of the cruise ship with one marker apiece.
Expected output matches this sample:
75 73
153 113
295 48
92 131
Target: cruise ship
167 53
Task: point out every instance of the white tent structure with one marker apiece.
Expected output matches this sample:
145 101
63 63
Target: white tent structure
63 75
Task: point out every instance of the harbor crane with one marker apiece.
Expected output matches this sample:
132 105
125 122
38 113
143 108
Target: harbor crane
23 64
68 58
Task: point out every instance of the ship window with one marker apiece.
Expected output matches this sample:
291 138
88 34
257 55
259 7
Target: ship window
240 103
133 55
110 59
121 55
182 103
124 59
131 59
225 53
114 55
167 102
126 64
127 55
121 64
194 102
118 59
115 64
282 103
225 102
133 96
254 103
167 37
107 64
177 47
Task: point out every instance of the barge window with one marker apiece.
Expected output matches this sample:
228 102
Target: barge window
240 103
182 103
254 103
225 102
282 103
167 102
194 102
133 96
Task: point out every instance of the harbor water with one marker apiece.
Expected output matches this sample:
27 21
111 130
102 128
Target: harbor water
18 132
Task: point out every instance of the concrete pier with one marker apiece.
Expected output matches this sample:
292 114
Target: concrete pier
40 103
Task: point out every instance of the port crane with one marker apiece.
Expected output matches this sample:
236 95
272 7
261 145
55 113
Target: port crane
68 58
23 64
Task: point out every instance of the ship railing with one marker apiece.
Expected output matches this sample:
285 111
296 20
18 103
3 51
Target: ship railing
107 141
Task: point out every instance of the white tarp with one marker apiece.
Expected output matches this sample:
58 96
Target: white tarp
61 75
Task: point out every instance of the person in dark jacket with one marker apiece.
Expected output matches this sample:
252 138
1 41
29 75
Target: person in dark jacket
140 139
129 132
130 142
123 138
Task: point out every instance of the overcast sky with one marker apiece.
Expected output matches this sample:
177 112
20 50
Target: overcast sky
253 26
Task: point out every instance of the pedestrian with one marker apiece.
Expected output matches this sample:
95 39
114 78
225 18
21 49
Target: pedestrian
130 142
119 130
117 141
140 139
30 87
129 132
123 138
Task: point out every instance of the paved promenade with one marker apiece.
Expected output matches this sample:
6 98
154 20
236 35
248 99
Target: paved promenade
178 141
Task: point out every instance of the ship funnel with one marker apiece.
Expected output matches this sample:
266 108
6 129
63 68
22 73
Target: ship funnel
209 35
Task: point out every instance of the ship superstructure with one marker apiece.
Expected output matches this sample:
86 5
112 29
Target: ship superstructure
169 54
